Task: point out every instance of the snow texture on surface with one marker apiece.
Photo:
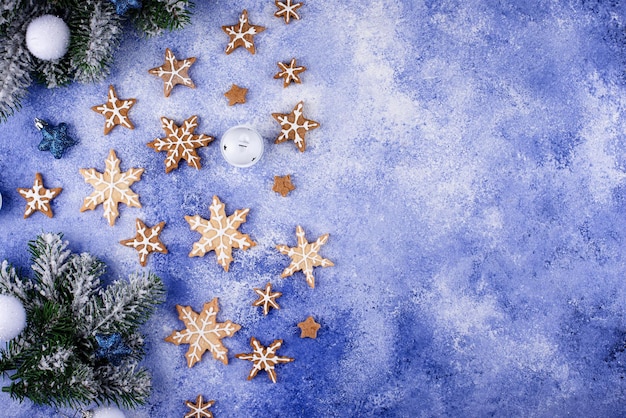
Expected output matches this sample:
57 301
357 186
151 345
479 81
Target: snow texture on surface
470 168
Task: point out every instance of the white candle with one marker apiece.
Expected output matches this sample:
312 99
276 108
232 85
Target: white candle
242 146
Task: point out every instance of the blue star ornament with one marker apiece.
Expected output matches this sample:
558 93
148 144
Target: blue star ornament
54 138
111 348
123 6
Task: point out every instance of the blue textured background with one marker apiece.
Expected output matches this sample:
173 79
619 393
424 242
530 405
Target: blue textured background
470 169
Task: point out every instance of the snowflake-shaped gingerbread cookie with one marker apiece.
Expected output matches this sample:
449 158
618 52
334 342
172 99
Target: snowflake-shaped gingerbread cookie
220 233
174 72
242 34
264 358
180 143
111 188
304 256
115 111
294 126
203 333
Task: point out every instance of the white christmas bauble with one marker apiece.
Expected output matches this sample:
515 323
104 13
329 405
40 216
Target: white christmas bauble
242 146
12 317
47 37
108 412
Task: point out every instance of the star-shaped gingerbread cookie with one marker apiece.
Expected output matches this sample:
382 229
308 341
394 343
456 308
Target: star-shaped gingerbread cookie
200 409
294 126
287 10
283 185
267 298
242 34
146 241
236 95
308 328
289 72
38 198
115 111
174 72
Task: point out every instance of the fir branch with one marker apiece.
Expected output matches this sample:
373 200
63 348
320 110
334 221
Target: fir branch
125 305
49 256
157 16
83 278
55 360
126 385
53 73
96 30
11 284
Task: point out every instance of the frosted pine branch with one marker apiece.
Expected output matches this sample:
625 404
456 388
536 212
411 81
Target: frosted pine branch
125 304
11 284
83 279
98 31
127 382
49 263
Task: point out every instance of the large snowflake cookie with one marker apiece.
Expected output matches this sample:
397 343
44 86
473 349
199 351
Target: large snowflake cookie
220 233
174 72
304 256
294 126
242 34
115 111
180 143
38 198
111 188
264 358
203 333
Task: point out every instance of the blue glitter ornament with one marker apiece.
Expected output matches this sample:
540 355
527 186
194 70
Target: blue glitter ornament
55 138
111 348
123 6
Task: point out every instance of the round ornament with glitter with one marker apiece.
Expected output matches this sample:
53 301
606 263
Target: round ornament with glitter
242 146
48 37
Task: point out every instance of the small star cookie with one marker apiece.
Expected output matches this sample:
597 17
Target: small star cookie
146 241
242 34
304 256
308 328
199 409
115 111
294 126
174 72
267 298
264 358
236 95
38 198
287 10
283 185
289 72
